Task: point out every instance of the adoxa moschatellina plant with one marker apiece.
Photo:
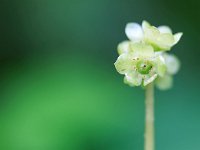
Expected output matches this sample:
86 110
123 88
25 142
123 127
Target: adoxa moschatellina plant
144 61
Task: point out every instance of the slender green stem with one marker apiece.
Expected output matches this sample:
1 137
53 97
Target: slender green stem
149 118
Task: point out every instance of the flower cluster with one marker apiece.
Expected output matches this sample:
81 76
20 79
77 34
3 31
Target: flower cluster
144 58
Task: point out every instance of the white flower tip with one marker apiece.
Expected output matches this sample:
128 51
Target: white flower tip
134 32
164 29
145 24
173 64
123 47
177 37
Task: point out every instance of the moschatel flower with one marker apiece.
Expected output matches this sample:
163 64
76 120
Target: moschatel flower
139 64
143 58
160 38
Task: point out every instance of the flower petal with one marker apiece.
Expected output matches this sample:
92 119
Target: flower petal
166 39
124 63
149 79
134 32
162 42
172 63
164 29
123 47
164 83
177 37
160 65
160 38
133 79
142 50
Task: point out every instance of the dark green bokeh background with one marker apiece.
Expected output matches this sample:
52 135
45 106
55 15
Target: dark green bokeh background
59 89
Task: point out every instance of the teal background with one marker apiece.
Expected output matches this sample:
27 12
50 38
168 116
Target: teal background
59 89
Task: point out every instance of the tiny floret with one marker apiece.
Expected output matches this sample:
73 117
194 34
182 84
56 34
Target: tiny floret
140 65
161 38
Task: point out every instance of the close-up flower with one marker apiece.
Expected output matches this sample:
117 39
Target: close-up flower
143 58
139 64
161 38
99 75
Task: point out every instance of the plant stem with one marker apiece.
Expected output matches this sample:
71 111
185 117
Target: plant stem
149 118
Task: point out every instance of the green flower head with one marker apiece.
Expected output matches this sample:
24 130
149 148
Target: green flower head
160 38
143 58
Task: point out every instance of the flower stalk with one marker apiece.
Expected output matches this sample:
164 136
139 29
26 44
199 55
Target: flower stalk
149 118
144 61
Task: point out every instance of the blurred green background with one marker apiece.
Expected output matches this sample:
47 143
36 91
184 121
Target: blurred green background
58 86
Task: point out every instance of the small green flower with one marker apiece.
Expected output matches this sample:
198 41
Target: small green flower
139 63
143 57
160 38
173 66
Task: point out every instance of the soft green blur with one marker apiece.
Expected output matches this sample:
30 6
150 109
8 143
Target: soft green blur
59 89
